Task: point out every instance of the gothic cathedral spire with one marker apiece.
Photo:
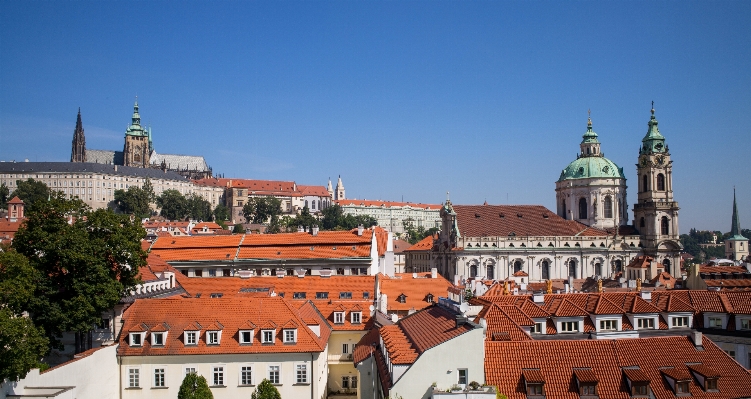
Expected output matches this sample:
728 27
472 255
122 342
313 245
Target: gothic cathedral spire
736 247
78 153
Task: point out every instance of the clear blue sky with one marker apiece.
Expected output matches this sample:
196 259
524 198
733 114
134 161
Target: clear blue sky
487 100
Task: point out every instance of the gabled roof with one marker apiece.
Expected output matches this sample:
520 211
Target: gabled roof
415 289
522 220
226 314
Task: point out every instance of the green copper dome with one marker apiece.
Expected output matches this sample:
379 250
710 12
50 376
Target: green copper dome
589 167
653 142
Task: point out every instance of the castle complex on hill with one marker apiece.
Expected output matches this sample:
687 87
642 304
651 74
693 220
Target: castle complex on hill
138 151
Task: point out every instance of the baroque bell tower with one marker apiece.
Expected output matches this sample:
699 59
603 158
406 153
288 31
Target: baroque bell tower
78 153
656 211
137 150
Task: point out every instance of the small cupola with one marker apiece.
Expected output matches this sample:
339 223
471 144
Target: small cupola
590 146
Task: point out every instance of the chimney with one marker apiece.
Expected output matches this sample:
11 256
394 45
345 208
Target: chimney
434 273
460 320
538 298
314 230
646 295
360 228
300 229
696 337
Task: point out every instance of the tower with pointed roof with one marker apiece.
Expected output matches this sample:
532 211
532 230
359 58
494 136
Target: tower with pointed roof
656 211
78 152
592 188
137 150
339 194
736 247
330 189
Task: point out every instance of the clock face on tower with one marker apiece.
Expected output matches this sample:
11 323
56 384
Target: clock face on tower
660 160
644 162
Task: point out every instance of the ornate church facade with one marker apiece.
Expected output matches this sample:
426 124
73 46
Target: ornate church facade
138 151
588 235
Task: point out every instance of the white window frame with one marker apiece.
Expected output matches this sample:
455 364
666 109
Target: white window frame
263 336
307 373
747 326
714 322
240 374
140 339
355 317
537 328
213 333
674 322
196 334
186 367
279 370
164 376
459 377
338 317
569 323
133 371
163 336
287 335
242 339
642 321
223 375
345 348
608 325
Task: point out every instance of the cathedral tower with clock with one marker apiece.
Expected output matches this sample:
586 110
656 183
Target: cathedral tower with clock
656 211
137 149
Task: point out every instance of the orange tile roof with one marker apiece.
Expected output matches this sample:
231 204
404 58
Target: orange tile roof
522 220
559 361
422 245
432 326
415 290
318 191
225 314
287 285
327 309
258 185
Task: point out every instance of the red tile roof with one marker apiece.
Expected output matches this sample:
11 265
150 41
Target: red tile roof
415 290
422 245
287 285
522 220
15 200
559 361
225 314
318 191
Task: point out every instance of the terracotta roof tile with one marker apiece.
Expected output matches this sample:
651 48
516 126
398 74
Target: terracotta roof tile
226 314
533 375
385 204
678 374
535 220
415 290
636 375
586 375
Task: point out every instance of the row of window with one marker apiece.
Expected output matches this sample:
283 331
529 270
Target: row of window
218 377
614 325
289 336
354 317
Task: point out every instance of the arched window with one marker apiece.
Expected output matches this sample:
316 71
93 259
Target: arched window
618 266
641 222
473 271
665 226
517 266
644 183
319 204
666 264
306 203
563 208
598 269
545 270
490 272
587 150
582 208
660 182
572 268
313 204
608 207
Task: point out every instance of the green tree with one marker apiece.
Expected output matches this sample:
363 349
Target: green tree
4 194
266 390
149 190
198 208
31 192
238 229
264 210
221 214
332 217
174 206
335 219
135 201
194 386
415 234
83 268
22 344
304 219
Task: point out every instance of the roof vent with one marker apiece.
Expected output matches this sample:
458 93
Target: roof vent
502 215
519 215
477 215
545 215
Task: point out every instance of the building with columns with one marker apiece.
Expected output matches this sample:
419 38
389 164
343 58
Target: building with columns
588 236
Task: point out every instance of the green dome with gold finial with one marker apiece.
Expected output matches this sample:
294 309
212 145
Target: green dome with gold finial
591 164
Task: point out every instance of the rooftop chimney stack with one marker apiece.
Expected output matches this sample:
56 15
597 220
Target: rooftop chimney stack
314 230
434 273
360 228
300 229
697 338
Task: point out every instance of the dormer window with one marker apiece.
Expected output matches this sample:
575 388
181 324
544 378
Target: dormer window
366 295
213 337
136 339
345 295
299 295
355 317
191 337
158 338
338 317
534 383
267 336
608 325
705 376
680 322
587 381
290 336
401 298
645 323
246 336
638 382
715 322
639 390
322 295
429 298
